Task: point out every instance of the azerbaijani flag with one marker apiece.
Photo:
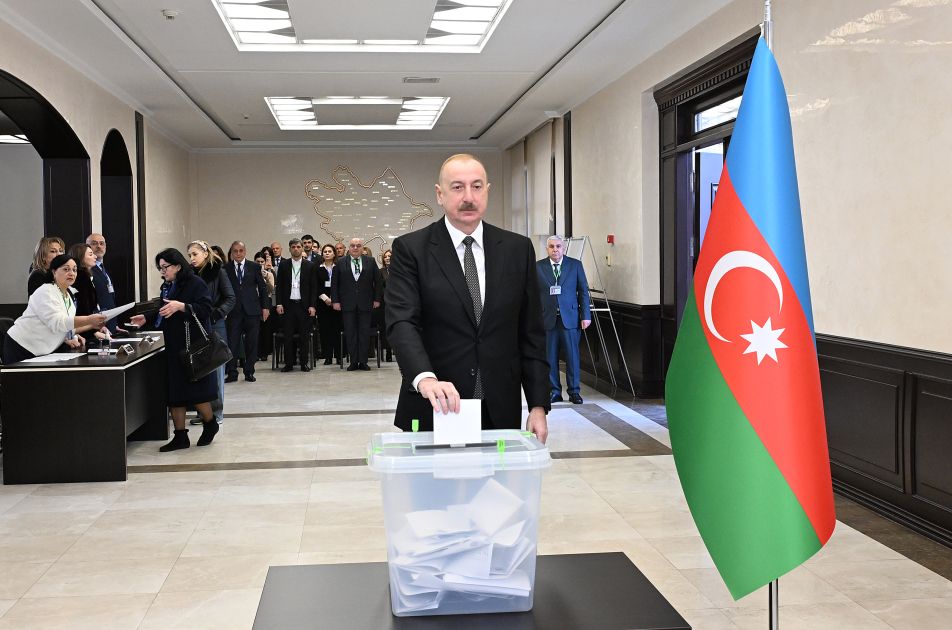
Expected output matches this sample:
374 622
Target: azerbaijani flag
743 390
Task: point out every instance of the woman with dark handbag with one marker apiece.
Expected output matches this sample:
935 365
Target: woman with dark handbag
184 299
208 267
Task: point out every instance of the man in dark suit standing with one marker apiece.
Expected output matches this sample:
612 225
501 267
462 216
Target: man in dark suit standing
356 291
463 312
564 292
296 299
105 292
250 310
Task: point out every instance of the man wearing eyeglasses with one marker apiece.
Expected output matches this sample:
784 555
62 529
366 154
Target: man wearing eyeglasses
105 291
251 309
356 289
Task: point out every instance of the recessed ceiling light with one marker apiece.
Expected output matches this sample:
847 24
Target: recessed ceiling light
391 42
453 40
478 14
332 42
421 79
294 113
253 11
265 38
456 26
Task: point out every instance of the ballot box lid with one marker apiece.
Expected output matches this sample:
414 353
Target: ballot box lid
498 450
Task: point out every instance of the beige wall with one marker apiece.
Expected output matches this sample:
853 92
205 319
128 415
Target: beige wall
168 199
868 110
258 197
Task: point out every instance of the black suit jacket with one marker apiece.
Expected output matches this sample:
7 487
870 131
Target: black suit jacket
252 293
308 283
431 324
356 295
104 297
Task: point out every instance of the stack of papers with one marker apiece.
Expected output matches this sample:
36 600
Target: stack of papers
476 548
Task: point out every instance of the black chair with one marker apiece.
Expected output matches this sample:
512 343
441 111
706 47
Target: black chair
277 356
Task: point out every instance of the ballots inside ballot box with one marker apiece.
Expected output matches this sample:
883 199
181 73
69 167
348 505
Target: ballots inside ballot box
462 521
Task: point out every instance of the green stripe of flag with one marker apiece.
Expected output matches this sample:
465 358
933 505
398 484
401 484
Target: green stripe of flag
751 522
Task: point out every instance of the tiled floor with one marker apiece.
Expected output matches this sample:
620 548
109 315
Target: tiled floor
187 541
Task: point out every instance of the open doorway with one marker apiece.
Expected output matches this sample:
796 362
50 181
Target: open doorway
56 165
117 216
696 117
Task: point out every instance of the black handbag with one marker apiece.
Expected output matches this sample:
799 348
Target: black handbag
206 356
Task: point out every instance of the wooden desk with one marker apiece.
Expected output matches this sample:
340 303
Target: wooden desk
69 421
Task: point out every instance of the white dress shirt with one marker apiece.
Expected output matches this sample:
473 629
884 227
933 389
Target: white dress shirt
296 279
47 320
479 254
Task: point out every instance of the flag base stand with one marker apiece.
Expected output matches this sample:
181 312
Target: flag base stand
773 604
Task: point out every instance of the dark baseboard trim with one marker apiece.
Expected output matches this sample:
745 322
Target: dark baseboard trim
894 513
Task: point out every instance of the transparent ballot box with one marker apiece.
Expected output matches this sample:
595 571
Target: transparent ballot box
462 522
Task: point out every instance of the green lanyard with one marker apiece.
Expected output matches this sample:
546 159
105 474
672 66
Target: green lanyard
556 272
296 274
68 302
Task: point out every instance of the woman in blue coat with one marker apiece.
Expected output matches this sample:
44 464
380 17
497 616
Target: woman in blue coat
183 294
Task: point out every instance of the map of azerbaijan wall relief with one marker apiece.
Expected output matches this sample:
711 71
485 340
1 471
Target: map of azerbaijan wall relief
377 211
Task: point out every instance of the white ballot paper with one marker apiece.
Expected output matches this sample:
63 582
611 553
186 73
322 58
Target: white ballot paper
476 549
53 358
459 428
119 310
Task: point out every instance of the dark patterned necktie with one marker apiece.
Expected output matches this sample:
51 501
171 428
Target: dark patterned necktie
472 281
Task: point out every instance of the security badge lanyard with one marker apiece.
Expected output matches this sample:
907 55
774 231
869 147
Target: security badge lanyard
555 289
70 306
295 276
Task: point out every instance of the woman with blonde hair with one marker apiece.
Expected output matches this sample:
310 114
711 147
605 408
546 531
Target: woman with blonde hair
46 250
209 267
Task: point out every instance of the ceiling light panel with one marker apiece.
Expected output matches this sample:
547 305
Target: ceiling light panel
341 113
444 26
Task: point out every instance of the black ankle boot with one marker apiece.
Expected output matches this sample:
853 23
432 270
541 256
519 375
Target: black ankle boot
179 440
209 430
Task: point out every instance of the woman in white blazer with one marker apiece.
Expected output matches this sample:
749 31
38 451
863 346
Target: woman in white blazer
50 321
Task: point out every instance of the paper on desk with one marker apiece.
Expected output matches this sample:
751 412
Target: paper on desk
52 358
97 350
125 339
459 428
119 310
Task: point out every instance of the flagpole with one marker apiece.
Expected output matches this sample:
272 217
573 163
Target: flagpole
773 589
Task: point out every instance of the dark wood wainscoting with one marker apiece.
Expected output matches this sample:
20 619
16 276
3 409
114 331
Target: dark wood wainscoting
889 424
639 328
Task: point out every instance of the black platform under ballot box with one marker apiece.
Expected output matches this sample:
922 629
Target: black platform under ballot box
592 591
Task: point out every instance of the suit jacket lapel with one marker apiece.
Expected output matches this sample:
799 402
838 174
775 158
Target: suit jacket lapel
448 260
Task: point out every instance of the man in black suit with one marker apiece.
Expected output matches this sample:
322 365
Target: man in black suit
356 291
312 249
297 297
105 292
250 310
463 312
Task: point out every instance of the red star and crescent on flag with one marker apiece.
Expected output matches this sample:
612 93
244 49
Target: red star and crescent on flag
761 340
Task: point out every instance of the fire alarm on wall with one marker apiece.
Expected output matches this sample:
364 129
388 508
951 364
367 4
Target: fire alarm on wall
611 239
